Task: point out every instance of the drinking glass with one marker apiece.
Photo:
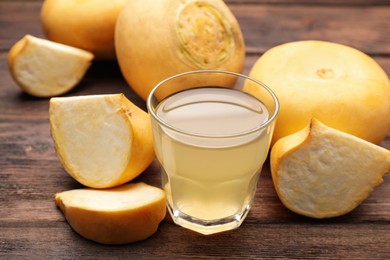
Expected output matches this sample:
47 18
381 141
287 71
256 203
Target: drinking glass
212 132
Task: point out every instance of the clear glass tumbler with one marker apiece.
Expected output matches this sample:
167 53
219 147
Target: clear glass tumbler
212 132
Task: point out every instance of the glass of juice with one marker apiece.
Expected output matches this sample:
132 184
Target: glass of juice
212 132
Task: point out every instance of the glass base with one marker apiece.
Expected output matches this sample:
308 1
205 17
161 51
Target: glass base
208 227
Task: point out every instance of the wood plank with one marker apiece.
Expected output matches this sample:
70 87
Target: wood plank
283 2
296 241
266 26
263 26
18 18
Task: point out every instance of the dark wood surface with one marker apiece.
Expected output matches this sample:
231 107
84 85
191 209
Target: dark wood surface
31 226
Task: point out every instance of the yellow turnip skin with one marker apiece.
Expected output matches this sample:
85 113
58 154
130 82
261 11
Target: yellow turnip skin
155 39
124 214
339 85
87 24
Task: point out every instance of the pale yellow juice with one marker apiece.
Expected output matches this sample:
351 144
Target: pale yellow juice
211 173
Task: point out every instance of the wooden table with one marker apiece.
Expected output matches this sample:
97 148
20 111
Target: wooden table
31 226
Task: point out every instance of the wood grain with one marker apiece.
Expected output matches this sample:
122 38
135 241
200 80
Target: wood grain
31 226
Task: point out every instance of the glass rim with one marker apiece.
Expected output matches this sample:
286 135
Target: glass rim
238 75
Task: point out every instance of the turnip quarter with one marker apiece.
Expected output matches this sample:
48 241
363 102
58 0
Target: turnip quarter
44 68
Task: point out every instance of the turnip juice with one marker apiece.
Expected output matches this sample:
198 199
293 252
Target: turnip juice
211 160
